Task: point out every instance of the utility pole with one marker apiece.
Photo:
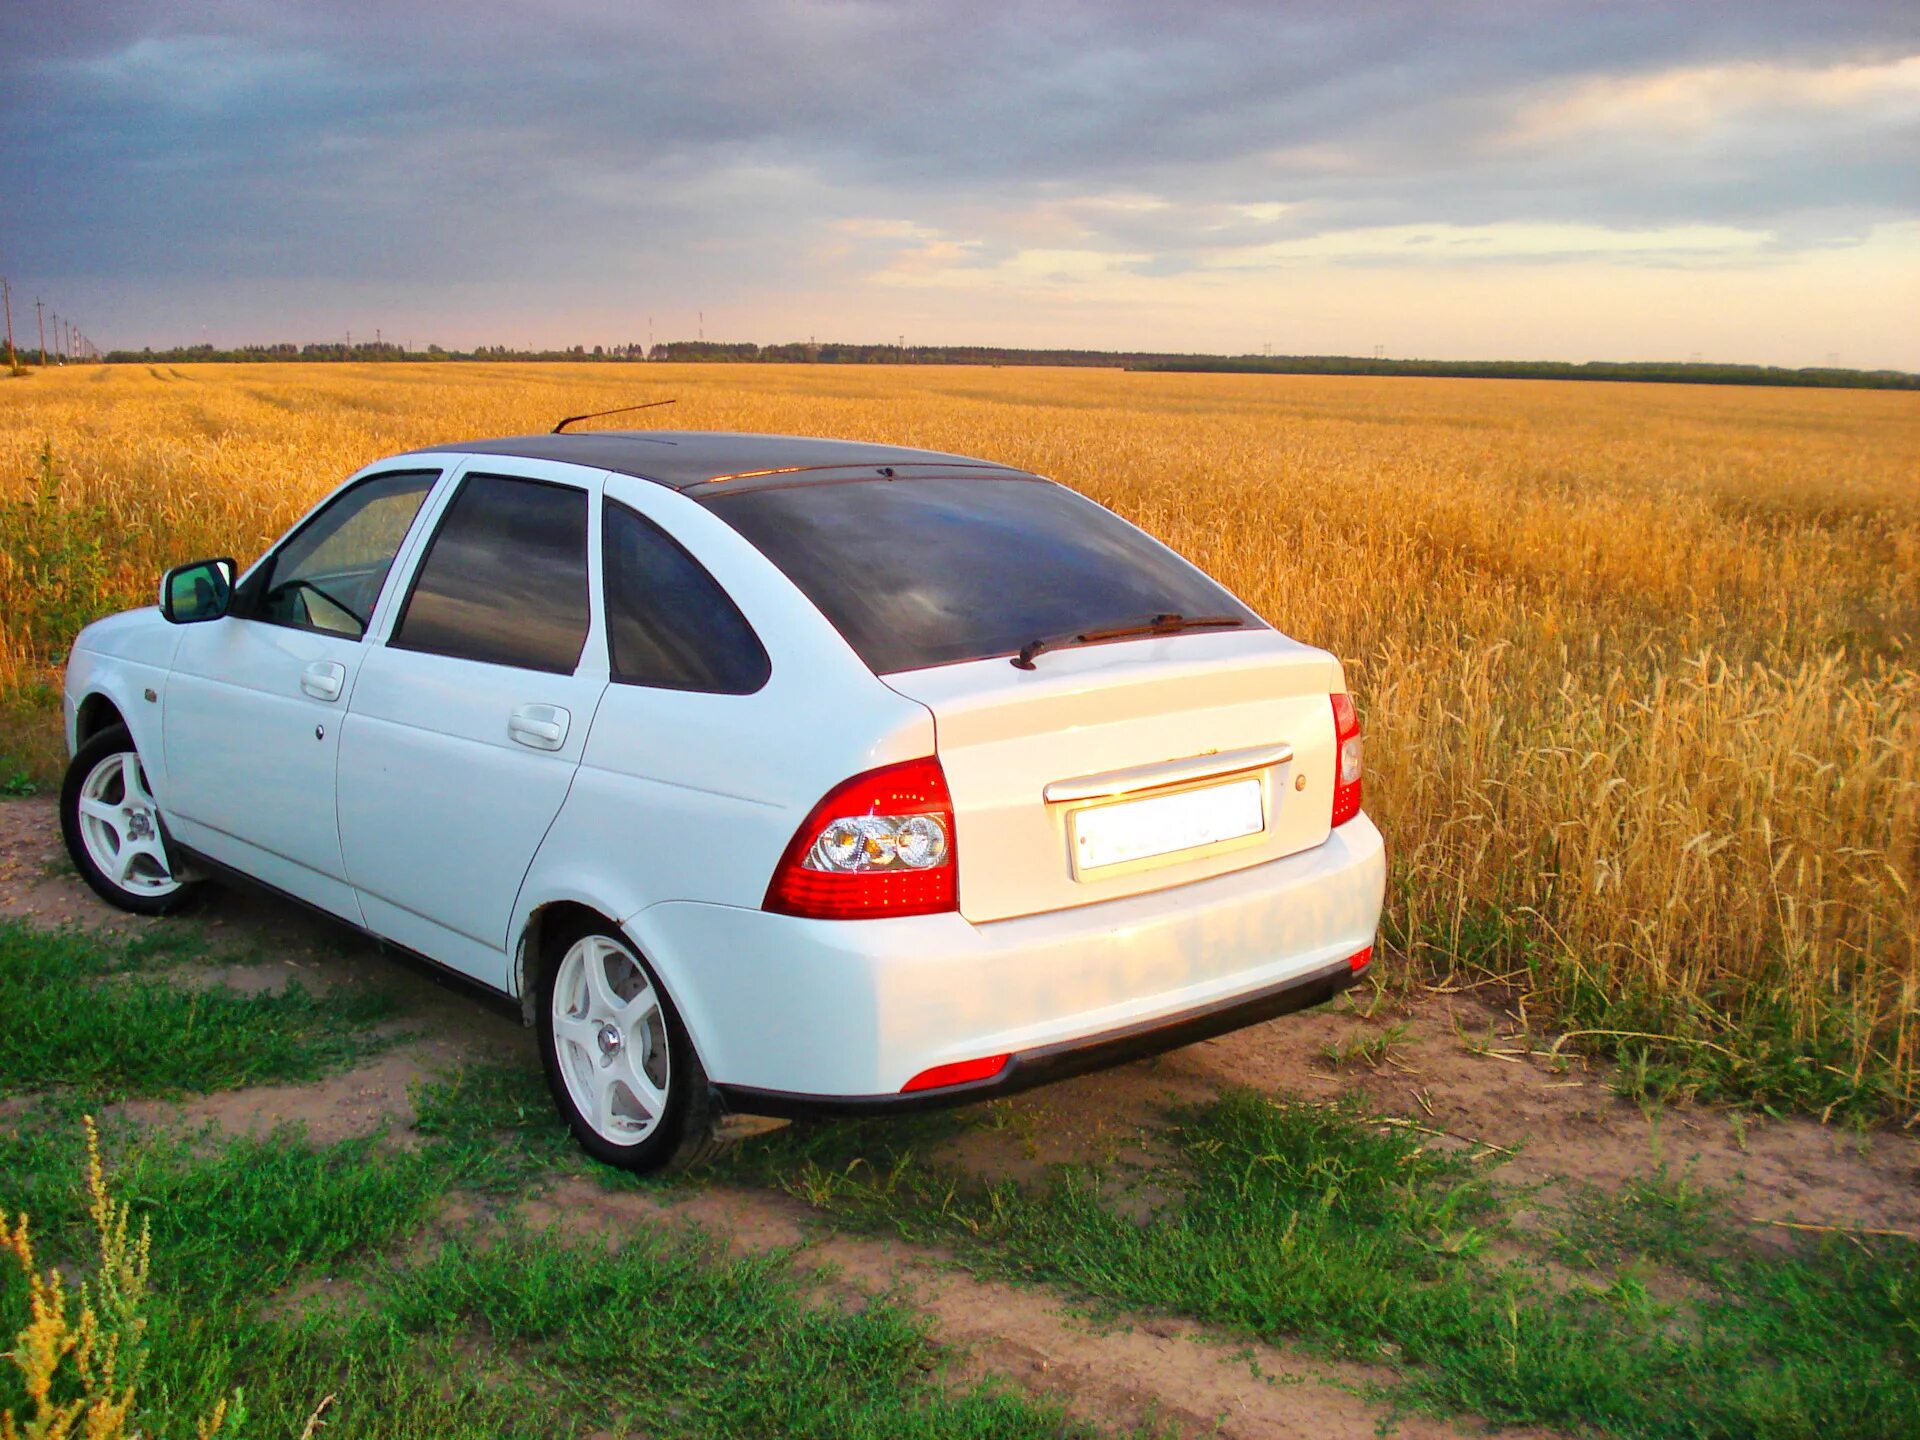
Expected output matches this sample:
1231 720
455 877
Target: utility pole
56 335
703 325
6 296
41 321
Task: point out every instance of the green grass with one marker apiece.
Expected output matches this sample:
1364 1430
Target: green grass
1643 1312
230 1217
670 1336
289 1271
1294 1222
497 1122
33 750
486 1330
1747 1048
80 1014
1662 1217
1365 1046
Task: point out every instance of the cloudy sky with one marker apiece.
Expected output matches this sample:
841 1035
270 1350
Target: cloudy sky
1737 178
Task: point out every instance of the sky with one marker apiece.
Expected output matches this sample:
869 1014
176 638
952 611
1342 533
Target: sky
1733 179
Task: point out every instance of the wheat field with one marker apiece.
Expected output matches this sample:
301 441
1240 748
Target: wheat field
1637 663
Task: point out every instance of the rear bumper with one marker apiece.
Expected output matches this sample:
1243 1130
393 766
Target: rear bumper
795 1015
1048 1063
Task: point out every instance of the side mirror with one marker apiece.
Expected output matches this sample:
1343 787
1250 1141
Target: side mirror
196 592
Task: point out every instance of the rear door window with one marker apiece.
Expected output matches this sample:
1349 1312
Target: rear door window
669 624
918 572
505 577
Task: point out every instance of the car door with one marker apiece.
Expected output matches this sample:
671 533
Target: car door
251 722
468 722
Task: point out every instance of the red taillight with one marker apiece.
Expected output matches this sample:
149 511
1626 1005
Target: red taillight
1360 960
958 1073
1346 762
880 844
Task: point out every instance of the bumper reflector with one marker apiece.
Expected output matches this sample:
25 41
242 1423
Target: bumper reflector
1360 960
958 1073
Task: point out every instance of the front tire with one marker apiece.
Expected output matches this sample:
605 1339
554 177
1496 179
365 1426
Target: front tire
619 1062
112 827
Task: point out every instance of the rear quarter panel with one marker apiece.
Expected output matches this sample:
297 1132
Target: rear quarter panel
693 797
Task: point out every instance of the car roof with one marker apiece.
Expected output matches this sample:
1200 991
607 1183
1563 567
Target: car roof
682 459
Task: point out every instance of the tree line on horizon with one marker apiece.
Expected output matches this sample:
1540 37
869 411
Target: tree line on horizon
840 353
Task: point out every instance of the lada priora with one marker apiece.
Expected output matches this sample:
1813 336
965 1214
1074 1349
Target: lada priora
770 775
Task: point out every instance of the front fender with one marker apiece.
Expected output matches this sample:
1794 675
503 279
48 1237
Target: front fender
133 687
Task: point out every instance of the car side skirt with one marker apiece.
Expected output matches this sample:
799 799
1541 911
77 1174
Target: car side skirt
1048 1063
437 970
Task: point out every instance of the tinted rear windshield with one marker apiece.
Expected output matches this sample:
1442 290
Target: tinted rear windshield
917 572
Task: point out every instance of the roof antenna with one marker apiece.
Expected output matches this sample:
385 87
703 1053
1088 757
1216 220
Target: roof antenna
617 410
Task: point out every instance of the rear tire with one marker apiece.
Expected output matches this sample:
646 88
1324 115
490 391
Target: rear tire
113 829
620 1065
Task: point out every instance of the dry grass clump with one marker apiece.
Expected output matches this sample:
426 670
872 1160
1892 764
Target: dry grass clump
80 1354
1636 661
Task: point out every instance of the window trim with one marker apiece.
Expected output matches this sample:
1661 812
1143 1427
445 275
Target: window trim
393 640
608 505
253 589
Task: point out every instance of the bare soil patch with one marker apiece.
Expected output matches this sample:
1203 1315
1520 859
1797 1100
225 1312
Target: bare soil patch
345 1106
37 880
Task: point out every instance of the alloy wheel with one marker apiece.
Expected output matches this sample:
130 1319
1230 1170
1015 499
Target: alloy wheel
610 1040
120 826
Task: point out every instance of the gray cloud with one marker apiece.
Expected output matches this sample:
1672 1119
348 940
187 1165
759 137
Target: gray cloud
600 143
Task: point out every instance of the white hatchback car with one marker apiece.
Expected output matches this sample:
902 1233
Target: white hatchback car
770 775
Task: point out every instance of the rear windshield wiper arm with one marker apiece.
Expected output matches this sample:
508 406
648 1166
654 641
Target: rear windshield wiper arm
1169 624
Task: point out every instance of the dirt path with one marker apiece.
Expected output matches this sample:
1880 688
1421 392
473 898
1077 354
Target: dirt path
1147 1370
1559 1127
1446 1073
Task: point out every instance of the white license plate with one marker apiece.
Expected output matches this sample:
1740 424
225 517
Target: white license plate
1166 824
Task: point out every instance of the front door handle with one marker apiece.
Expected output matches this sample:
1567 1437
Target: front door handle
323 679
543 727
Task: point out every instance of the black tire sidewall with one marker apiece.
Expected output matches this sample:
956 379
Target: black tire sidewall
113 741
686 1078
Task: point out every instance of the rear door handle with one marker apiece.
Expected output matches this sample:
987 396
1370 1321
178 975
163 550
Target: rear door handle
542 727
323 679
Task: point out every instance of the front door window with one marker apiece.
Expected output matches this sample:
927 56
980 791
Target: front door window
328 574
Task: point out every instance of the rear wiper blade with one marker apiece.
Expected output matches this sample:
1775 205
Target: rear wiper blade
1167 624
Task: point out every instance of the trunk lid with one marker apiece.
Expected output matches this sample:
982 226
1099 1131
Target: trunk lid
1219 745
